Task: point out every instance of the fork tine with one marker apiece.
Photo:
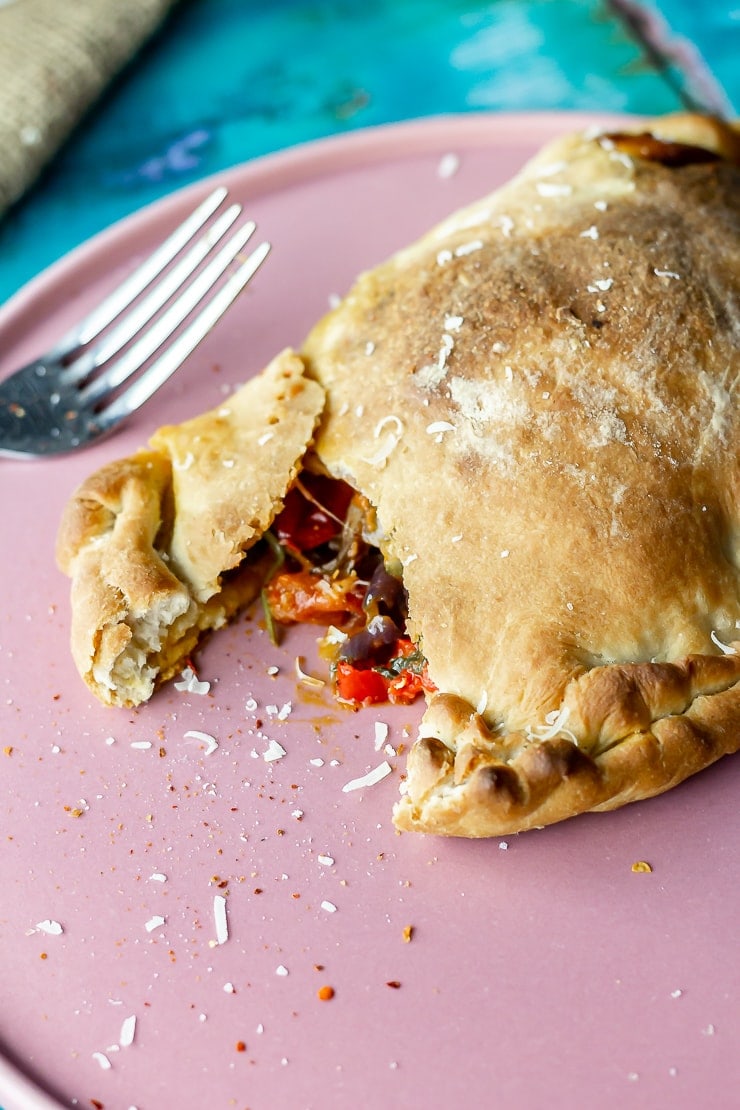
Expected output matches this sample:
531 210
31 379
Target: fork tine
121 297
142 313
132 360
150 381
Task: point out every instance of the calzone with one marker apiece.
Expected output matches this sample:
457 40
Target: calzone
536 406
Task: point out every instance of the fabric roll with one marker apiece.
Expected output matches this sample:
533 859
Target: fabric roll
56 57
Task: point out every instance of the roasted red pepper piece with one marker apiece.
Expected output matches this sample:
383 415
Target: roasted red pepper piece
313 512
409 683
365 685
302 597
360 686
405 688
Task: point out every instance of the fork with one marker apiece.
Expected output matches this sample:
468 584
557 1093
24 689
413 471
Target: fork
80 391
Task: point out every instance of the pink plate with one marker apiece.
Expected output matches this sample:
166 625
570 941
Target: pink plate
541 971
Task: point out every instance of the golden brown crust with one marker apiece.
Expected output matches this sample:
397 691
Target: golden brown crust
147 540
674 720
231 466
553 372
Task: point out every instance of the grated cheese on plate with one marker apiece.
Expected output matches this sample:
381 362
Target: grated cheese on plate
210 741
219 915
273 751
128 1030
51 928
370 779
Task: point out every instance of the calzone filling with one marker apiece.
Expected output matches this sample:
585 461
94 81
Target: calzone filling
531 521
329 571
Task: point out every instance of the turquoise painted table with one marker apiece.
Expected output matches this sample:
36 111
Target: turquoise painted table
229 80
225 82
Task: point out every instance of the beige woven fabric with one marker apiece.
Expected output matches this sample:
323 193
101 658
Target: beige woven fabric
56 57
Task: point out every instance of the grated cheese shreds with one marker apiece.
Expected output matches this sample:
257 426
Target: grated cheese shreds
726 649
601 285
305 677
154 923
210 741
552 189
370 779
103 1060
184 464
381 734
438 426
128 1030
554 725
273 751
468 248
191 684
219 915
392 429
52 928
335 635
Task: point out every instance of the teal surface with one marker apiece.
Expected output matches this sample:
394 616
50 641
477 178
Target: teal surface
706 35
228 80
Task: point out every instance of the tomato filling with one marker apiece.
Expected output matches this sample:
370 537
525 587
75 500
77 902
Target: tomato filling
328 573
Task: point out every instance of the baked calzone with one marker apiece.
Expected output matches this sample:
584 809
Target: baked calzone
534 411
